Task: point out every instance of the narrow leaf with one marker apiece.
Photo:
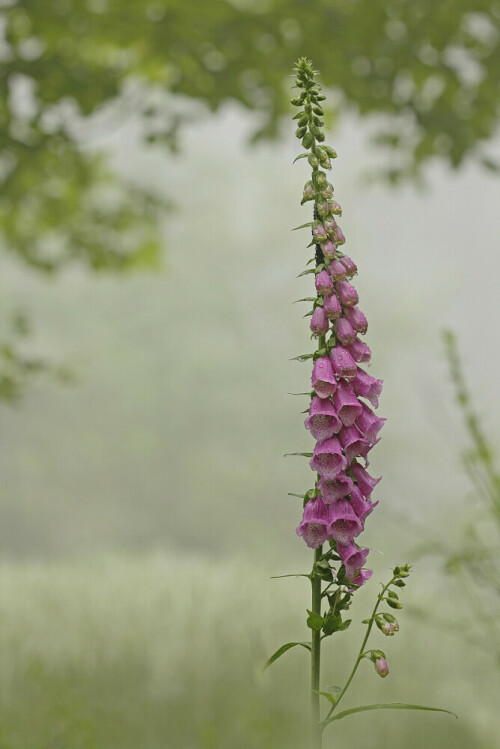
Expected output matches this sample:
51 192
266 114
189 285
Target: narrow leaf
305 299
303 226
302 155
283 649
386 706
302 357
306 272
309 393
305 455
332 696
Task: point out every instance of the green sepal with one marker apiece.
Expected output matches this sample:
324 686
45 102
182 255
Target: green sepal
399 583
283 649
393 594
319 268
309 314
314 621
330 151
385 706
394 604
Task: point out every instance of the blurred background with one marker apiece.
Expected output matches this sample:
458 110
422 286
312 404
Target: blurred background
146 331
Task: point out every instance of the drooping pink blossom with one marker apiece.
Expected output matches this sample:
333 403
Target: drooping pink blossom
360 505
369 424
336 488
335 209
344 523
343 364
361 578
323 378
314 523
347 293
365 482
346 404
359 351
344 331
367 387
357 319
328 459
353 444
323 283
352 557
338 235
319 321
322 421
319 233
331 307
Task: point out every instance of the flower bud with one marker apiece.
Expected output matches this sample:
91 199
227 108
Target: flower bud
319 233
328 191
349 265
381 666
344 331
335 209
338 235
323 377
324 283
343 364
347 293
332 307
322 208
356 317
319 322
337 270
328 249
308 193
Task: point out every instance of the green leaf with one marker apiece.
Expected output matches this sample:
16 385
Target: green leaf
305 455
306 272
305 299
283 649
303 226
332 624
302 156
314 621
331 694
302 357
386 706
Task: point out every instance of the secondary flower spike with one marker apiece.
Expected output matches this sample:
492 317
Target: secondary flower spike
340 421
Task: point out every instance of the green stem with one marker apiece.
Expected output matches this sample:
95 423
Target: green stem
361 650
315 656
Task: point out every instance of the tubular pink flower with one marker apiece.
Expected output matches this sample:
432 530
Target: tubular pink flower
337 488
367 387
347 293
344 331
361 578
349 265
319 321
314 523
343 364
365 482
337 271
323 378
357 319
324 283
331 307
369 424
328 459
322 421
360 505
352 557
353 443
344 523
359 351
346 404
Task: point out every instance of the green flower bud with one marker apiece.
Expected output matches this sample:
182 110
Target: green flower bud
307 140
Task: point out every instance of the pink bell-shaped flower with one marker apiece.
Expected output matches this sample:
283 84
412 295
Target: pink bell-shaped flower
315 521
367 387
323 377
344 523
319 321
347 406
331 307
347 293
328 459
359 351
323 283
322 421
357 319
336 488
343 364
344 331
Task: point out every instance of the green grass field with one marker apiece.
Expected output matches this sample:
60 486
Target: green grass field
155 652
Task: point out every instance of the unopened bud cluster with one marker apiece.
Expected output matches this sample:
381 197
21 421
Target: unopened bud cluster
340 420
